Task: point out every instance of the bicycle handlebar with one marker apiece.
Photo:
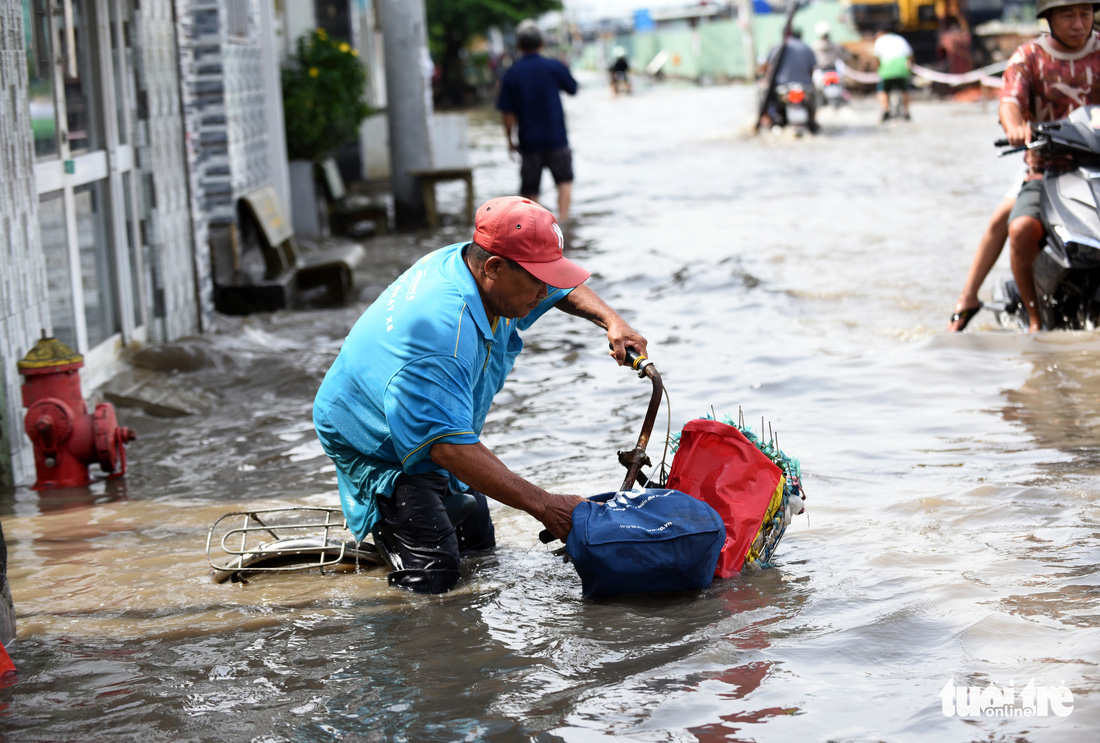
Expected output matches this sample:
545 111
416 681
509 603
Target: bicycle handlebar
634 459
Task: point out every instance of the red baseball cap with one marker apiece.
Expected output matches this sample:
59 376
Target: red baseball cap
518 228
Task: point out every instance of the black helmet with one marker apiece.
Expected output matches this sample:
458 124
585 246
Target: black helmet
1042 6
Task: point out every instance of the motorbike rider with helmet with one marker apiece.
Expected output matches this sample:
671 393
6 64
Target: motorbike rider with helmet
826 51
1045 80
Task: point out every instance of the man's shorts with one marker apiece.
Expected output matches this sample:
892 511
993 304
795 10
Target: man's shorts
893 83
560 163
1027 201
418 538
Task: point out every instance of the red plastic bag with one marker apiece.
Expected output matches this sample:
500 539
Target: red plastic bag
717 464
7 668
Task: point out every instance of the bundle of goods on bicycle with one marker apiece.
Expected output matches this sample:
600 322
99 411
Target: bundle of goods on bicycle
723 509
725 504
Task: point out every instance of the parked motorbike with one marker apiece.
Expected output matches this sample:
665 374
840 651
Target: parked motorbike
1067 269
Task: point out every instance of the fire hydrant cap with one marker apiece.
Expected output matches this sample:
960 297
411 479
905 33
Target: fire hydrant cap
49 353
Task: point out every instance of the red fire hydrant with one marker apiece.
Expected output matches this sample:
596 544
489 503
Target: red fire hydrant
66 439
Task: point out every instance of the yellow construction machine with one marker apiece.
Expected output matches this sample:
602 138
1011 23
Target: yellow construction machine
903 16
921 21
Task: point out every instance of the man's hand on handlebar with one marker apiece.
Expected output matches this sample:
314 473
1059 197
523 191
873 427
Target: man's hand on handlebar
620 335
1018 135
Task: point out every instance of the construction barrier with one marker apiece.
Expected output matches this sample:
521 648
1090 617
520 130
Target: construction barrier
986 75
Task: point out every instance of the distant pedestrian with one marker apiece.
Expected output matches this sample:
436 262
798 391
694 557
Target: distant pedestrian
894 59
530 105
619 71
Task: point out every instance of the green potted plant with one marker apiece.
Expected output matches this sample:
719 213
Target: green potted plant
323 106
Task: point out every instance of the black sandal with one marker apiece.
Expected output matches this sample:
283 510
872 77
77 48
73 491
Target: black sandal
965 316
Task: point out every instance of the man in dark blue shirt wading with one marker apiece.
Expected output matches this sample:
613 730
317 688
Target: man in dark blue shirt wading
530 102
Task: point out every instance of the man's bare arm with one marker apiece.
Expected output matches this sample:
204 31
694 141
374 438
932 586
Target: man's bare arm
1013 122
479 468
508 119
583 302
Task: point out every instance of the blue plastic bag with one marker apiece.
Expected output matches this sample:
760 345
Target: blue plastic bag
644 541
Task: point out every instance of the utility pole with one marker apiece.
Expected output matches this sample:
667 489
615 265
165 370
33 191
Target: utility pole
748 38
409 103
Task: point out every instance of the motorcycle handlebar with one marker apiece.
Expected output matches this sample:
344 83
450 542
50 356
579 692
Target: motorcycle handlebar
1039 129
1034 144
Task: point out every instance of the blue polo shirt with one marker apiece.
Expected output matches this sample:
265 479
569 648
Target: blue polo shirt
531 89
421 365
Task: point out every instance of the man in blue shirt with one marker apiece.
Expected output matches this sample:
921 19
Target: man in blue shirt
530 102
401 409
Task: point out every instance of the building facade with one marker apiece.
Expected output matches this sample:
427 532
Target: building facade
81 257
129 131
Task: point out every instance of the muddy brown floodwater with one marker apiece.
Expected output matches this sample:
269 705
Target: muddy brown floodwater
952 534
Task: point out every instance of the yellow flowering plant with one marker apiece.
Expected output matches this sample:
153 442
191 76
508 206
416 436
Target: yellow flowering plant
323 88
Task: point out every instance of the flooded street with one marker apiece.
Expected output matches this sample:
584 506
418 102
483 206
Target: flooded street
953 481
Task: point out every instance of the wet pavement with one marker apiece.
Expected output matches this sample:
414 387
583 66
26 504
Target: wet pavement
952 532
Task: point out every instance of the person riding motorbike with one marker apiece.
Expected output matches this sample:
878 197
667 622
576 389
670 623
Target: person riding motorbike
1045 80
827 53
796 65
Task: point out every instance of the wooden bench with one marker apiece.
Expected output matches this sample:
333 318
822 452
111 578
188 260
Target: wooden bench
351 214
288 272
430 177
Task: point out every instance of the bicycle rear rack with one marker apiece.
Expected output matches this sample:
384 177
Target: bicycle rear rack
304 538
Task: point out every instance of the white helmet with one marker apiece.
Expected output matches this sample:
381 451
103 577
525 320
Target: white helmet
822 28
1044 6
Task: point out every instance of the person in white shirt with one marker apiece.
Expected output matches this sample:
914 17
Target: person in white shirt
894 60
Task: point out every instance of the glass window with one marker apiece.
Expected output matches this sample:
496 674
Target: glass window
97 269
36 30
55 245
81 98
85 251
